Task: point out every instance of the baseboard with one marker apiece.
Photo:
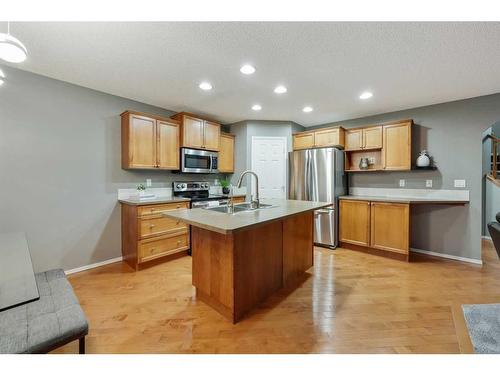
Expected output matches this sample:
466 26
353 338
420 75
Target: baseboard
93 265
486 238
447 256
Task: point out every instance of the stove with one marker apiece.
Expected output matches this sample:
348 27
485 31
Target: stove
199 193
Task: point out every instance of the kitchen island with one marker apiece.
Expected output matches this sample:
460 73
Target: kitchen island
241 259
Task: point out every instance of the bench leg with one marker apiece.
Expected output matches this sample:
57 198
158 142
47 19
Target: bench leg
81 345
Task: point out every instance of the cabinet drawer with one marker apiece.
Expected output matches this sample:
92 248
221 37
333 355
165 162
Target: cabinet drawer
155 209
157 225
155 248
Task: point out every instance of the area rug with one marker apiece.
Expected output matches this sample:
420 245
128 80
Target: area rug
483 324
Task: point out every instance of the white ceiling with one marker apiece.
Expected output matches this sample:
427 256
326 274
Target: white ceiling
324 65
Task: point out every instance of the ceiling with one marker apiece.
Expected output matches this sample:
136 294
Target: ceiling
324 65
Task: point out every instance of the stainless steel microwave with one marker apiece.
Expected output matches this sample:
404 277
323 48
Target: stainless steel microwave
199 161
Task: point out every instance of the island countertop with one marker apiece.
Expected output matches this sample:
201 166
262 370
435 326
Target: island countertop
226 223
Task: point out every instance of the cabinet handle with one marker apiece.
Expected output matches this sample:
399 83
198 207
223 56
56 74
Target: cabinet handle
178 243
153 249
152 210
152 226
178 221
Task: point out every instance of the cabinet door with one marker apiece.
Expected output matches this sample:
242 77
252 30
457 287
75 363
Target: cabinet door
390 226
355 222
397 146
354 139
142 142
192 132
303 140
211 136
372 138
226 153
168 145
329 137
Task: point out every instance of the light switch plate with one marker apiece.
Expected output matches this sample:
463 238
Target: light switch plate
459 183
428 183
148 182
402 183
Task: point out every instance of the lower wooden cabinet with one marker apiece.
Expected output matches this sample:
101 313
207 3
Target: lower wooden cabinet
377 225
355 222
148 235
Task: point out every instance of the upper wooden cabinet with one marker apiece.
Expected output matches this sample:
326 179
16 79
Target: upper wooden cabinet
353 139
197 132
364 138
387 147
226 153
319 138
396 154
149 141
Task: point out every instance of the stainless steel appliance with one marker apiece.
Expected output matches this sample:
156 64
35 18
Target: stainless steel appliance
199 193
318 175
199 161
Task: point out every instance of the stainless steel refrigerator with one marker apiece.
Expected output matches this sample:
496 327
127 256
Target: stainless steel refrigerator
318 175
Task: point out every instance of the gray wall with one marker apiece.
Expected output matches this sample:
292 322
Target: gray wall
452 133
60 168
245 130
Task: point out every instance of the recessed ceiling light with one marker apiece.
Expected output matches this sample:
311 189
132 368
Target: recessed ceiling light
247 69
256 107
2 76
307 109
366 95
11 49
280 89
205 86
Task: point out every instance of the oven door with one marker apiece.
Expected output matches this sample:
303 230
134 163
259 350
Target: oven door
197 161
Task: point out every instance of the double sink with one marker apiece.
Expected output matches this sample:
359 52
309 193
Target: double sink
240 207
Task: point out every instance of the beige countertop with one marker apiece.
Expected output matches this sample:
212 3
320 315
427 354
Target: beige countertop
143 202
415 200
227 223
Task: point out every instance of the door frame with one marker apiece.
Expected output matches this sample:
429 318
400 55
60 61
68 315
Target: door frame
252 153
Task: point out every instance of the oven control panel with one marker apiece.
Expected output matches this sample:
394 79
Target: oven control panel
190 186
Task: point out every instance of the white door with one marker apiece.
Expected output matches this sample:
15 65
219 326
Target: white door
269 162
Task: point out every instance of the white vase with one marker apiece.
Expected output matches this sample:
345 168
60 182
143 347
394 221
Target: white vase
423 160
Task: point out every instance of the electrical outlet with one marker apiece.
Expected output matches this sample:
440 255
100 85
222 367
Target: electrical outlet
459 183
148 182
371 160
428 183
402 183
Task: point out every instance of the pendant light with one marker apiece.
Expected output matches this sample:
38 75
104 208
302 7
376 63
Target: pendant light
11 49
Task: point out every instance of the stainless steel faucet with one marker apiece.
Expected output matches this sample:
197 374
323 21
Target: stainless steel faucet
254 203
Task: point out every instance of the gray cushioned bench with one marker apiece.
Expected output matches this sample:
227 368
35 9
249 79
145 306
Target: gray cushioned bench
43 325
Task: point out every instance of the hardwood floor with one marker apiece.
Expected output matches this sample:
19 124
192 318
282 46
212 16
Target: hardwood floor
350 302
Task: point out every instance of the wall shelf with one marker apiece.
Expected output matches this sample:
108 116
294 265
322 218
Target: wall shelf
430 168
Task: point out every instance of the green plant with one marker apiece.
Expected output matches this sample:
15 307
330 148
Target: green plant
225 182
141 187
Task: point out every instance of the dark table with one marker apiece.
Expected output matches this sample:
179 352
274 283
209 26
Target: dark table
17 279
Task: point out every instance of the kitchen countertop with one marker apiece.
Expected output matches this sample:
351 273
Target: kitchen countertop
410 200
227 223
158 200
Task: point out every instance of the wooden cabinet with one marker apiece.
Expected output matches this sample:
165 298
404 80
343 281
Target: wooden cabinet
387 147
149 142
353 139
197 132
376 225
148 235
363 138
396 154
390 227
327 137
372 137
355 222
302 141
226 153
